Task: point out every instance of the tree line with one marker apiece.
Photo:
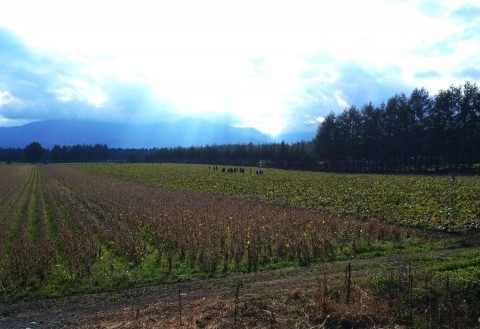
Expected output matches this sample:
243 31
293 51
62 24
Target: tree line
297 155
406 134
418 133
35 152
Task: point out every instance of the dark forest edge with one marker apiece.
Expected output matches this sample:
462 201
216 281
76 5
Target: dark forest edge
420 133
406 134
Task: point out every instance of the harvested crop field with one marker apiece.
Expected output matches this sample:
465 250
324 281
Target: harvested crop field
127 246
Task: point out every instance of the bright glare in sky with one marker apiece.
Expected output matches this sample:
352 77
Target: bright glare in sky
272 65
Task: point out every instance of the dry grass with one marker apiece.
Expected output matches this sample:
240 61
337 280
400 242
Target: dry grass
208 312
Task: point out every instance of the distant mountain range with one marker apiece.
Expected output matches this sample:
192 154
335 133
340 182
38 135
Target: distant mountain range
185 133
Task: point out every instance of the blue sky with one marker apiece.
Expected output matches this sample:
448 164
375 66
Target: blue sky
278 66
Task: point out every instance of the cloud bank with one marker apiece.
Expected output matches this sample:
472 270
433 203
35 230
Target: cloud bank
276 67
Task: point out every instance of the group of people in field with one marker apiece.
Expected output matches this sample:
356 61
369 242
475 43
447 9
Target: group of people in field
453 179
235 170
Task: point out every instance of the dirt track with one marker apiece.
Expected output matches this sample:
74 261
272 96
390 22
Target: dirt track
203 300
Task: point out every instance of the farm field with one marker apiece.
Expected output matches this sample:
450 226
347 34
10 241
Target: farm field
410 200
91 228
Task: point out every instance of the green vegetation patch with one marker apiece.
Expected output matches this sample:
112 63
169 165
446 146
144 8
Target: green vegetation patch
423 201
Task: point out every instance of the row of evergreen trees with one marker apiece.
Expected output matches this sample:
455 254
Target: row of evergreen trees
297 155
405 134
281 155
35 152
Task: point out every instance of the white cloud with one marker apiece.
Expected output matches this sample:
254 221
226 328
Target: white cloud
5 98
76 90
314 121
257 62
340 101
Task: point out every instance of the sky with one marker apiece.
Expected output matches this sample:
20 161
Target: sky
277 66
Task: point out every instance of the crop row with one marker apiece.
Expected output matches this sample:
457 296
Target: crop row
39 236
411 200
65 229
214 229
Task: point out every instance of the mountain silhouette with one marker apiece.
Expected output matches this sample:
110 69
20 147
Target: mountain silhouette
184 133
